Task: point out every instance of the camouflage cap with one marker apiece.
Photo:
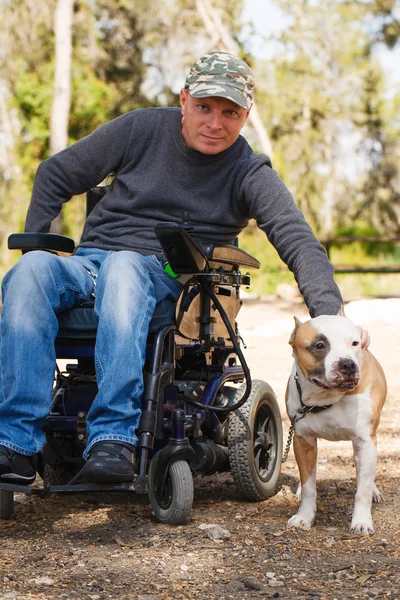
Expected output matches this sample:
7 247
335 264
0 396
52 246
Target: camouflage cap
224 75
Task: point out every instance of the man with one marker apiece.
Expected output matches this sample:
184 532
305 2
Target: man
168 163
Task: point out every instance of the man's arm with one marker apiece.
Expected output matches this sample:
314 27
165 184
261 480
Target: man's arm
77 169
272 205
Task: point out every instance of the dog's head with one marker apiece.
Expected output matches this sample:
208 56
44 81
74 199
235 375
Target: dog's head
327 350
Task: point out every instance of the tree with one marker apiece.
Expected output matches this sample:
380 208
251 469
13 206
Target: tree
60 109
379 198
24 107
312 106
386 25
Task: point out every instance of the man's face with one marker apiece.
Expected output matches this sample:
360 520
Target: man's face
210 125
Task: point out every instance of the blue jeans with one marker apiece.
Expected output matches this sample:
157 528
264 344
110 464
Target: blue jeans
127 288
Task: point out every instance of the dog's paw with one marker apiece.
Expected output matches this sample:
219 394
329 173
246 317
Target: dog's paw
362 527
299 522
377 496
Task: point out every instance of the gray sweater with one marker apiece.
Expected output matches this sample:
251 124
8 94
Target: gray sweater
158 178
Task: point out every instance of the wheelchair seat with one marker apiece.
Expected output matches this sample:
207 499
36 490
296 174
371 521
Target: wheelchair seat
79 323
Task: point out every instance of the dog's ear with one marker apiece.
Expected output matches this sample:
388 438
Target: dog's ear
297 324
341 311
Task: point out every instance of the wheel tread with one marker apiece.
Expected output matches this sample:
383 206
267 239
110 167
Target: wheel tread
182 502
238 441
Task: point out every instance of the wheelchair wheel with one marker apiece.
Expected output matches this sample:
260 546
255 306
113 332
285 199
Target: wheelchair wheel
255 441
6 504
172 504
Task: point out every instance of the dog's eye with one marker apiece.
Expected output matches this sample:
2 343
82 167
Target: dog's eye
355 343
320 346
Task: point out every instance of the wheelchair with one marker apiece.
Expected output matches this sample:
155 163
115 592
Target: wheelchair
201 412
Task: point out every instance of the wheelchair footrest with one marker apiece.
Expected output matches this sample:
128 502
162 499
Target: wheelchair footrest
138 485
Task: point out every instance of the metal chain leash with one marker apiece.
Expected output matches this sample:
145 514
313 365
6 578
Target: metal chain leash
288 443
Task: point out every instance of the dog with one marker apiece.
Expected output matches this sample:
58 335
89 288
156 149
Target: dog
336 391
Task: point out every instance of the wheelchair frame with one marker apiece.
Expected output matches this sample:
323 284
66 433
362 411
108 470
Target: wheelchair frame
192 420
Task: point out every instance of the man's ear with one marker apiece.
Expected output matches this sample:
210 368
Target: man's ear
182 98
341 311
247 114
297 324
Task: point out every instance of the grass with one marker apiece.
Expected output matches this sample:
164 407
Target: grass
352 285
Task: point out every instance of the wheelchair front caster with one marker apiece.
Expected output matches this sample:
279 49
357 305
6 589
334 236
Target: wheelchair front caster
255 441
173 503
6 504
57 474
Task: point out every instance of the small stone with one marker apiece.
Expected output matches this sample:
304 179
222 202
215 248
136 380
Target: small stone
79 573
251 584
215 532
119 542
330 541
274 583
42 580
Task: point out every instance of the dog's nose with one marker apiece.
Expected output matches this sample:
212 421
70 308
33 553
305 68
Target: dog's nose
347 367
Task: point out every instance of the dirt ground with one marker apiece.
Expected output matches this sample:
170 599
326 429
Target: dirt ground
97 548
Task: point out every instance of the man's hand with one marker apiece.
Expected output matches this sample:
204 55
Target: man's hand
365 339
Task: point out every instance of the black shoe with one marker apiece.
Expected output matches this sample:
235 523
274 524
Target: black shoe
17 468
108 462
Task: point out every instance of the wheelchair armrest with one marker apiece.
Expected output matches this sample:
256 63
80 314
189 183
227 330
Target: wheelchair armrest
182 252
41 241
230 255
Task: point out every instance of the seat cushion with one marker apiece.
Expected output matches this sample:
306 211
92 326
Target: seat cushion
79 323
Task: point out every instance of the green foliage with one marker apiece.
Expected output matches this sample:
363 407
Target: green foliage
120 62
361 250
365 254
380 193
386 14
32 97
272 271
90 103
324 91
359 286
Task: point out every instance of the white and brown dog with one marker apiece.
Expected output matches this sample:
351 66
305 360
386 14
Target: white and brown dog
336 392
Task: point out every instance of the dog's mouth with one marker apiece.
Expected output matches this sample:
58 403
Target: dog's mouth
319 383
338 383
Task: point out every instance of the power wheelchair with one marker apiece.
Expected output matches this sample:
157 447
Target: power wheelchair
201 412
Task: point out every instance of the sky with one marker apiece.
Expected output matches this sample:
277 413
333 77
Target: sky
267 18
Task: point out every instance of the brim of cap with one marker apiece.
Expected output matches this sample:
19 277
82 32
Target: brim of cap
230 93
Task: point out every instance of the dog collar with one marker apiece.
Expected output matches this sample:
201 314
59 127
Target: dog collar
304 409
300 414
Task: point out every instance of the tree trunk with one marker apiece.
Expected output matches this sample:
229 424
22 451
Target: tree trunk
62 84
